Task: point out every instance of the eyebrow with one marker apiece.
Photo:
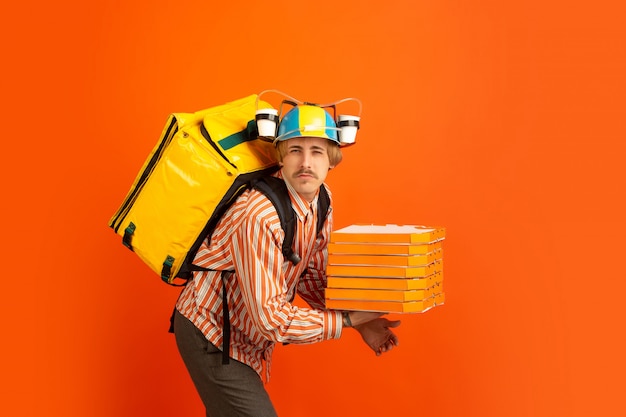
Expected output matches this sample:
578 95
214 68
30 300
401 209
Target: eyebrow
314 147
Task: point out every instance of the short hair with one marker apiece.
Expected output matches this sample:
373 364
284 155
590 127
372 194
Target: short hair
334 152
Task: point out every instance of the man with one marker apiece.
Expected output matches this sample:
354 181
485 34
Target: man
259 292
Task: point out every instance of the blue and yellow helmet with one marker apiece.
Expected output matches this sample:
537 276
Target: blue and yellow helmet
308 121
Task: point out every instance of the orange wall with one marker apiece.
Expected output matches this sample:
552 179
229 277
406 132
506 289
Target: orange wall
503 122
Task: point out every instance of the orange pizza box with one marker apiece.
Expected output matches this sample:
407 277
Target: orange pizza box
389 233
386 283
383 306
385 260
440 298
381 295
384 249
384 271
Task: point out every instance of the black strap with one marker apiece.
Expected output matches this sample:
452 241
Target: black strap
171 329
226 325
225 312
276 191
323 204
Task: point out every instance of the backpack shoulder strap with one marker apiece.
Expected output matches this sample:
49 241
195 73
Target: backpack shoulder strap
323 204
276 191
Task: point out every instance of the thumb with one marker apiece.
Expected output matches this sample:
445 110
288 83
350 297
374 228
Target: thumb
394 323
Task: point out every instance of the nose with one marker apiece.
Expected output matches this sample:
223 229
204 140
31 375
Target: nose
306 159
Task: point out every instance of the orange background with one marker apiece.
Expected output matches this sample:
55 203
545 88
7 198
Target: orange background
503 122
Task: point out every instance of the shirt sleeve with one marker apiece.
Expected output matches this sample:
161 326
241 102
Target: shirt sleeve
256 250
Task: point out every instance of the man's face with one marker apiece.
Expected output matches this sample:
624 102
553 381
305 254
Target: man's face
306 164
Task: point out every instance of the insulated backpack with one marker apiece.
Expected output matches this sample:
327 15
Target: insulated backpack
202 162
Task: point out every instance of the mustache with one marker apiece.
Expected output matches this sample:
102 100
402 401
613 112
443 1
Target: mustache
306 172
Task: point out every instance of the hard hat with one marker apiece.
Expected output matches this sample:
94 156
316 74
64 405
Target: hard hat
308 121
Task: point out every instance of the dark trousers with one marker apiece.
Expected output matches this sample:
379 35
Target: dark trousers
227 390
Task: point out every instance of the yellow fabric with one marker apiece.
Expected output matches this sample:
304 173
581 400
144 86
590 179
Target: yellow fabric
184 179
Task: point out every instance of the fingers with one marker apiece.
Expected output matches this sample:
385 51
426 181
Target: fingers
377 334
385 348
388 345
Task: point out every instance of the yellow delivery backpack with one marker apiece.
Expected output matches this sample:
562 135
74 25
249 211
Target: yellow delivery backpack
202 162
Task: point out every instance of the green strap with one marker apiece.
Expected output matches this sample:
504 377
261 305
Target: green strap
166 272
128 235
249 133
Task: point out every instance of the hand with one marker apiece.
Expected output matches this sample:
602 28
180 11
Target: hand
377 334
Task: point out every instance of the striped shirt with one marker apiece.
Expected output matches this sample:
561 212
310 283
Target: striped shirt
248 240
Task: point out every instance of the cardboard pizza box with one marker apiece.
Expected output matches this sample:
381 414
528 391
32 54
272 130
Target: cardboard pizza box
381 295
385 260
385 283
357 248
387 306
384 271
389 233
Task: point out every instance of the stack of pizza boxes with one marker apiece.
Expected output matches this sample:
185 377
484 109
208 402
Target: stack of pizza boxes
385 268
